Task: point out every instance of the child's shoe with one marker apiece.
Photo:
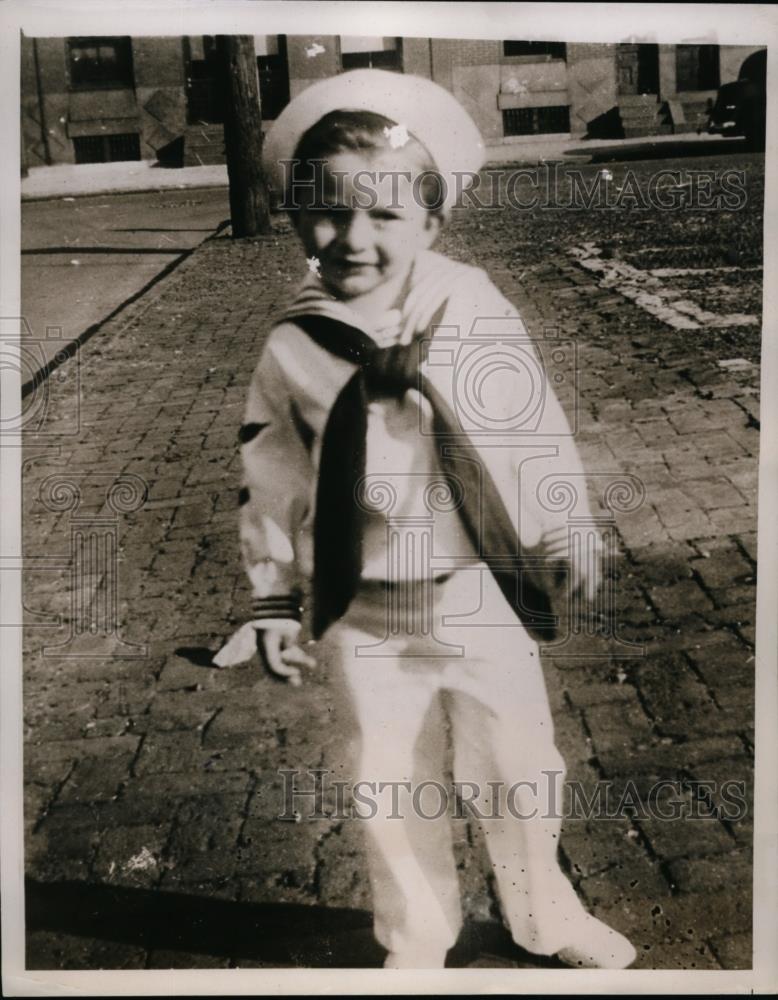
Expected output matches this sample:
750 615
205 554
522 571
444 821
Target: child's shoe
597 946
421 958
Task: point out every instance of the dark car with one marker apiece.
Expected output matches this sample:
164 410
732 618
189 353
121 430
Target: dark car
741 107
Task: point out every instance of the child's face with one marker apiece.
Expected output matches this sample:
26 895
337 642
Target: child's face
375 229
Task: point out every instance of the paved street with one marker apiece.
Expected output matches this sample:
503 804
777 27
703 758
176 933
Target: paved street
83 257
153 784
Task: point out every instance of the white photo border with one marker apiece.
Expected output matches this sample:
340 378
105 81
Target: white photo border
603 22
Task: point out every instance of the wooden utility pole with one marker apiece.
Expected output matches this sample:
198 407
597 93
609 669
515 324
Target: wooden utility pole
243 135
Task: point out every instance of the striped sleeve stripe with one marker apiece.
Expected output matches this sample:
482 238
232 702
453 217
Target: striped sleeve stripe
283 606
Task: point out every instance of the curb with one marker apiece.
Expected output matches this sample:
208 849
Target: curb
111 192
498 155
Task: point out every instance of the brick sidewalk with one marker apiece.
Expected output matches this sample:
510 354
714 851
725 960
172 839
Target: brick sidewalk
152 781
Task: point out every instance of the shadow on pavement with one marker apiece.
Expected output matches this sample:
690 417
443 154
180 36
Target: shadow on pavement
198 656
660 150
81 250
162 229
275 934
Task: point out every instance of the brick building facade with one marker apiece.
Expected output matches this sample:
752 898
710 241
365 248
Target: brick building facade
157 98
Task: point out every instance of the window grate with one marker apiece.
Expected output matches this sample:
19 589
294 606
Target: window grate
536 121
107 148
124 146
89 149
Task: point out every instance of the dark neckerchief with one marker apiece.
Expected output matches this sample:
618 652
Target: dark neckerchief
338 525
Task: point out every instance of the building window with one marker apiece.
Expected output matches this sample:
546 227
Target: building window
637 68
205 101
100 62
536 121
361 52
696 67
107 148
273 71
538 50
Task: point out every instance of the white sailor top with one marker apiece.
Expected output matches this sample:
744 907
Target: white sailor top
478 355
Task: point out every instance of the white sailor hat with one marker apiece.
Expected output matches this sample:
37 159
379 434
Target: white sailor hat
425 109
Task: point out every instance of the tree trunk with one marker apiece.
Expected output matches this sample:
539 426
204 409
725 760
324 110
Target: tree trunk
243 136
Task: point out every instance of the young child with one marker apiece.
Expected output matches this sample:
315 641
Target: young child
397 431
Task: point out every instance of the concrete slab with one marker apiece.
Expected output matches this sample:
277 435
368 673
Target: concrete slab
83 258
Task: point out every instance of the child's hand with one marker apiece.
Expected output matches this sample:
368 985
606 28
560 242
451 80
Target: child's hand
280 653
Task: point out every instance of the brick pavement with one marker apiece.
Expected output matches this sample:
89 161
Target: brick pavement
152 781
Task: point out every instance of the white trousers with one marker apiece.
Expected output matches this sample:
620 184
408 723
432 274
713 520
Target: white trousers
459 662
